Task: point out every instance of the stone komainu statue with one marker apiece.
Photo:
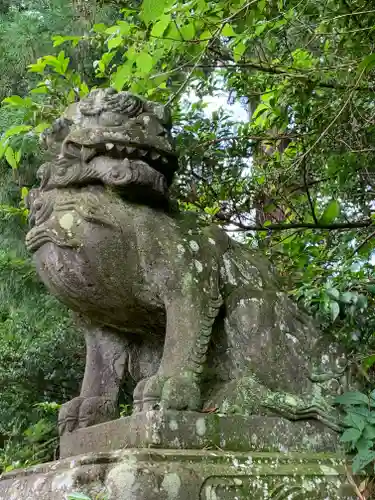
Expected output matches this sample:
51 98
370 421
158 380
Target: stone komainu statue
196 319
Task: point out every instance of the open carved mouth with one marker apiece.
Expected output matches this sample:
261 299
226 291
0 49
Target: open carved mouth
128 142
159 160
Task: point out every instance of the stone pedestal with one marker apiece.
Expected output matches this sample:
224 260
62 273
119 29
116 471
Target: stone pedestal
182 475
192 430
169 455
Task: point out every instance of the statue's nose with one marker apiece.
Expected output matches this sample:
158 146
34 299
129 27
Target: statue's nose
43 174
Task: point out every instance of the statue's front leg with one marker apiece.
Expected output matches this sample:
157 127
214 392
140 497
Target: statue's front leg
106 360
176 384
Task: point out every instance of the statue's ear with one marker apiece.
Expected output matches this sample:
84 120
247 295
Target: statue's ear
161 112
72 112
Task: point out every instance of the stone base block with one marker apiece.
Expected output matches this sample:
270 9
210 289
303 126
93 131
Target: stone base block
191 430
182 475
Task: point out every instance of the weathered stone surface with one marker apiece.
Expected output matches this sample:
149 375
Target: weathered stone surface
194 318
193 430
183 475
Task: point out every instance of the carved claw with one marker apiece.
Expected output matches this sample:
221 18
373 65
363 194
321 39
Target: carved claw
324 415
83 412
178 392
68 416
96 410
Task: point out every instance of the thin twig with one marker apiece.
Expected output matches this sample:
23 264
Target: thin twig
368 238
306 186
326 130
292 235
204 51
275 70
353 483
328 20
249 138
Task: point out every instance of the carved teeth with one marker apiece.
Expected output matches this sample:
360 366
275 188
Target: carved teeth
142 152
109 146
154 155
87 154
164 159
130 149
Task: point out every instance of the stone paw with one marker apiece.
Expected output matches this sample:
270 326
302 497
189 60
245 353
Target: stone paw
83 412
68 415
96 410
177 392
138 396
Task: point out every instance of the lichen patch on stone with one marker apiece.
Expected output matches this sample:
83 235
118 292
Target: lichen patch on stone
67 221
194 245
172 484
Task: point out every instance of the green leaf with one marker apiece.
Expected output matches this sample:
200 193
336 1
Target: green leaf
78 496
11 157
239 51
206 35
17 129
360 410
121 77
351 435
114 42
367 64
59 40
333 293
42 89
188 31
112 29
3 147
331 212
368 362
17 101
99 28
346 297
363 444
362 301
124 27
260 28
355 420
24 192
352 398
260 110
151 10
228 30
160 26
362 459
131 54
144 62
335 310
37 67
369 432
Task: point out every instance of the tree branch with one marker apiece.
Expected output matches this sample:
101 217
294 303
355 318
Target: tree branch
275 70
368 238
257 138
345 226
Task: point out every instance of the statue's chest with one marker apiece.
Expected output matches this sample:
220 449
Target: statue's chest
107 291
